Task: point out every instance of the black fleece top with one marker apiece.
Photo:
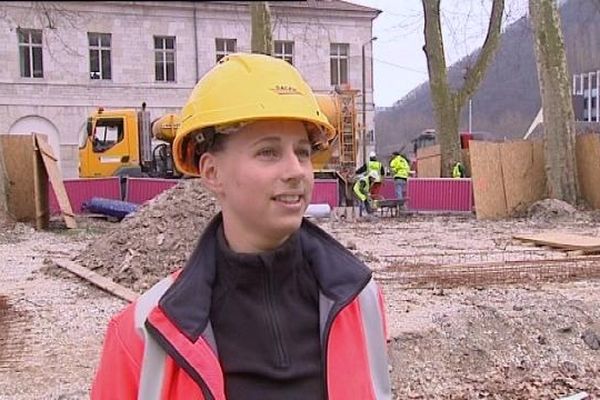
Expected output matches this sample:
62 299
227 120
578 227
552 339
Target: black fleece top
265 317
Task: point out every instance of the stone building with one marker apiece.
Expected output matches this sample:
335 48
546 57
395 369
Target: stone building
61 60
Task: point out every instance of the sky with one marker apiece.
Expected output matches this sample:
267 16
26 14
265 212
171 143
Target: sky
399 64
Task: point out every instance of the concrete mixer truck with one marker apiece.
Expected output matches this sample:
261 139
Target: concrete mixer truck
126 142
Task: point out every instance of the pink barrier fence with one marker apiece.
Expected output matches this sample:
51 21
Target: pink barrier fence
81 190
425 194
326 191
440 194
140 190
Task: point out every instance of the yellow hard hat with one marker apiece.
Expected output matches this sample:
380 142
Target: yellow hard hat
243 88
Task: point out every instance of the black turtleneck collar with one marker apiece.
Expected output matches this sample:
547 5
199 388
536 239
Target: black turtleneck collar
340 276
234 269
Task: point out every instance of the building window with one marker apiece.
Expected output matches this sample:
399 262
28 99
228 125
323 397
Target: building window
284 50
224 47
164 58
30 53
339 63
100 66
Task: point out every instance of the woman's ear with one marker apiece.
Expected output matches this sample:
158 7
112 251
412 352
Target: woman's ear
209 171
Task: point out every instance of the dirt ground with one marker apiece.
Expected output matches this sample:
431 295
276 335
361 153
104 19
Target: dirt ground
520 341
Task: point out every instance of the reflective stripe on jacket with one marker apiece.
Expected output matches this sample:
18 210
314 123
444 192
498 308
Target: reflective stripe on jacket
162 346
400 167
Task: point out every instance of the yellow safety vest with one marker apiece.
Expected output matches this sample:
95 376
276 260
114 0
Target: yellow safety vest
375 166
456 171
358 187
400 167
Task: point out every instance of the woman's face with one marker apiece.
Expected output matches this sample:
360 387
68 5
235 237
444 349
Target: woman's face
263 179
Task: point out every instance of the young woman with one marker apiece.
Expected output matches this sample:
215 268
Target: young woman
268 306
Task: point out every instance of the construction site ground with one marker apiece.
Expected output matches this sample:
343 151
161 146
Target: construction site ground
469 338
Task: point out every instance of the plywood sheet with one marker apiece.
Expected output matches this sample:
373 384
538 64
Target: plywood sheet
488 186
429 151
18 158
588 168
50 162
523 173
564 241
429 162
466 161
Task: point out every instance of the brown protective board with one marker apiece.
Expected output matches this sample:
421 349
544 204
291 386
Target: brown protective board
564 241
488 186
50 162
18 159
588 168
98 280
523 173
429 162
466 161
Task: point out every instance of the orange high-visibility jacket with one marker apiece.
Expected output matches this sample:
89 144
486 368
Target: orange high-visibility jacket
162 346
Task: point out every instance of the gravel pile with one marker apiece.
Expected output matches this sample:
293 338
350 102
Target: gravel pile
551 209
154 241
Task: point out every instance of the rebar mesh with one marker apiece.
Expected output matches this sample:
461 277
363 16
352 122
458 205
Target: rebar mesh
492 273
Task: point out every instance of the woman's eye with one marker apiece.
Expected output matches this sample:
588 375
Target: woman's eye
303 153
267 152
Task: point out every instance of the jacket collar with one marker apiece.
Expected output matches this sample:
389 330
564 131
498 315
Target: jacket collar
186 303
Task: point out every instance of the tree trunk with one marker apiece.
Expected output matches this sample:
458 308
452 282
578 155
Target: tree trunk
262 37
448 103
559 119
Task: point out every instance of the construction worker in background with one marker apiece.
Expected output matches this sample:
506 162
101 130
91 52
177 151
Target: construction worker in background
373 165
362 192
268 306
400 169
458 171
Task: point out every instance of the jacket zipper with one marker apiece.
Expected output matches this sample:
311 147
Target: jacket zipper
282 356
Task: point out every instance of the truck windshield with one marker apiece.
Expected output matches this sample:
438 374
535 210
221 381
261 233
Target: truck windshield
107 133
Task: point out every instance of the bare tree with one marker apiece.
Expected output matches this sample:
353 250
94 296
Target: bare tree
559 119
448 102
53 19
262 36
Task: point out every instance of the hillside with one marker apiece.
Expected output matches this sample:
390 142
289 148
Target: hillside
508 98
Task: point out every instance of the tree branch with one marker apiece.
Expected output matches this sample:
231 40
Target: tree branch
476 73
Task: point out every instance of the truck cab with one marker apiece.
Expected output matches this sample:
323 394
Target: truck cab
110 144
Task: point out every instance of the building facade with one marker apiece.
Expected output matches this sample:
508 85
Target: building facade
586 89
59 61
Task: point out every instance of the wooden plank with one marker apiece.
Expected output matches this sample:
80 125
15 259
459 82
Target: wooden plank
588 168
565 241
429 162
40 190
18 160
56 180
523 173
98 280
488 184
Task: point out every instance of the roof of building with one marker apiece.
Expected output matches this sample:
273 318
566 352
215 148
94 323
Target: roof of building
337 5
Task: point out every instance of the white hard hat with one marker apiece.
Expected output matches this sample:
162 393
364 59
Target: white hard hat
372 154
